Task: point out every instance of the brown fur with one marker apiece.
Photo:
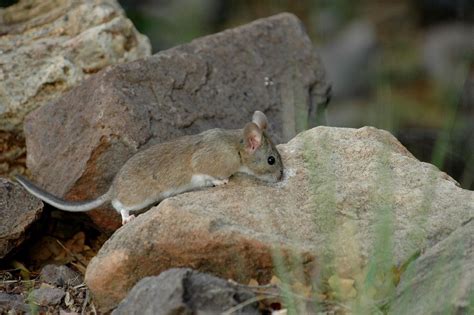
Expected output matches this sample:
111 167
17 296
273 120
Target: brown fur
184 164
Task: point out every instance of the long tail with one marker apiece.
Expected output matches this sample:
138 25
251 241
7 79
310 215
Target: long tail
73 206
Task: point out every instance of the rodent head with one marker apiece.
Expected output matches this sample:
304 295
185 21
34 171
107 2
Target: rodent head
259 156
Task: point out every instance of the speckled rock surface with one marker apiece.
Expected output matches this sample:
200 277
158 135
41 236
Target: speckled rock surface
60 276
340 189
47 47
45 296
18 210
13 303
214 81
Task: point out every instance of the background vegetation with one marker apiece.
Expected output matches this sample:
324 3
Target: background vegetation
394 64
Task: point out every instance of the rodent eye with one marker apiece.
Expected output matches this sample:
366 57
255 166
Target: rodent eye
271 160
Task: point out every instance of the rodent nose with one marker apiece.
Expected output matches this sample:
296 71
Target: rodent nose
281 175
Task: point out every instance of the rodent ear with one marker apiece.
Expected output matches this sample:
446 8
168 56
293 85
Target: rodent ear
260 120
252 137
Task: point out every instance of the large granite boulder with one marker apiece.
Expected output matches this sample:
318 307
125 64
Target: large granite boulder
348 197
46 48
18 210
77 144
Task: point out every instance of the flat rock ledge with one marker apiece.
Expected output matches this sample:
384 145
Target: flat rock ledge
341 188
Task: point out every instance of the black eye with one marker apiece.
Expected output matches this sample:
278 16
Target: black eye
271 160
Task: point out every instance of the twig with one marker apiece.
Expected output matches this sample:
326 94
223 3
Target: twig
266 295
9 270
281 294
93 309
301 297
77 257
86 300
79 266
257 288
342 305
15 281
77 277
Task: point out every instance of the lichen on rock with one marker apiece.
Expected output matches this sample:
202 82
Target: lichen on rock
47 47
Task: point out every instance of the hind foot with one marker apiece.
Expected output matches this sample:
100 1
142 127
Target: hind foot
126 217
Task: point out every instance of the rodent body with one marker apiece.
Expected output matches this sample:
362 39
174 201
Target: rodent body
187 163
175 167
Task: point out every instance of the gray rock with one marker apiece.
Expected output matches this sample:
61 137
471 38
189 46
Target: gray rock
12 303
46 296
348 57
185 291
18 210
441 281
60 276
49 49
49 46
215 81
347 197
446 49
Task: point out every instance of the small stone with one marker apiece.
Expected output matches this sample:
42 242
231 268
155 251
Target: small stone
60 276
45 296
12 303
185 291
